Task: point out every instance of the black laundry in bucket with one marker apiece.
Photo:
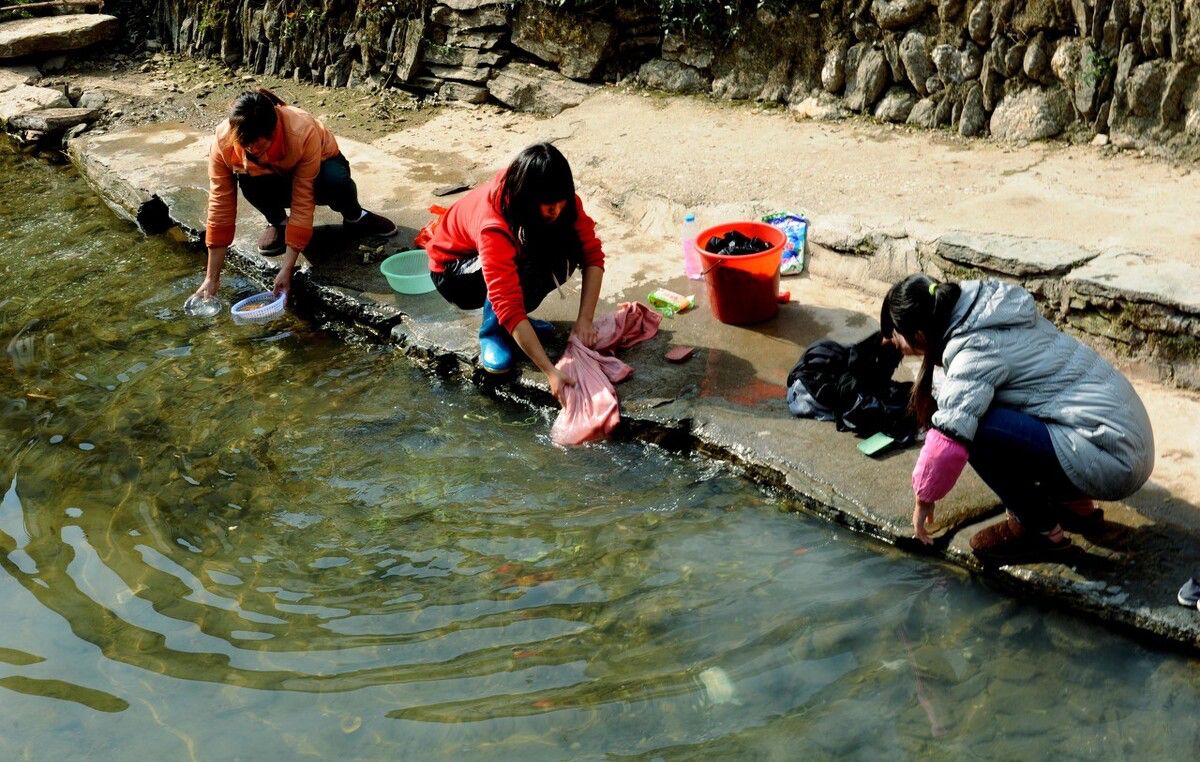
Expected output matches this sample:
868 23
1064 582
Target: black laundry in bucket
734 243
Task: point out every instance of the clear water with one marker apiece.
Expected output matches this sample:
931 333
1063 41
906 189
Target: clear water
220 542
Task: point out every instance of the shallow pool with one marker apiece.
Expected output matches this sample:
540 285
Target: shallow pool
221 542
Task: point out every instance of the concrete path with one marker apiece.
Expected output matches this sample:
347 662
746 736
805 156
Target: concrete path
728 399
672 154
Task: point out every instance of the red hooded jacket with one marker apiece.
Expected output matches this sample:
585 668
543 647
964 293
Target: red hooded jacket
474 226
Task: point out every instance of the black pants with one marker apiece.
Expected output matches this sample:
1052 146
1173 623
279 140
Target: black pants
332 187
463 286
1014 455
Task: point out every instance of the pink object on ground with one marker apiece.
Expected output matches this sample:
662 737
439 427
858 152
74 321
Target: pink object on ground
679 354
940 464
589 406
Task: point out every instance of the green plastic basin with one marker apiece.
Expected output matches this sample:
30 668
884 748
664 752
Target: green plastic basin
408 272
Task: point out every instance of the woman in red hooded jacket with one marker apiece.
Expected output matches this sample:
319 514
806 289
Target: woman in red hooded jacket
506 245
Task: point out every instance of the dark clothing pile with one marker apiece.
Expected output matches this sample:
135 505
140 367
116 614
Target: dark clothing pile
852 385
734 243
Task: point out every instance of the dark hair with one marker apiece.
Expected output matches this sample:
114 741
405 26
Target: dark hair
253 116
539 175
919 303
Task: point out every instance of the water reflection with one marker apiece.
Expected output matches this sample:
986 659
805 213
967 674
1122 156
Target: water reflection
219 541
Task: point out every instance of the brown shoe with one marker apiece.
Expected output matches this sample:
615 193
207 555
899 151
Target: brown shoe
371 224
271 241
1008 543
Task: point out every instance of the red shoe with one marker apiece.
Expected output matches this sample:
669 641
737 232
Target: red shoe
1010 543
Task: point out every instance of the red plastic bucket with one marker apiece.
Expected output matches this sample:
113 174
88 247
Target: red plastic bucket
742 289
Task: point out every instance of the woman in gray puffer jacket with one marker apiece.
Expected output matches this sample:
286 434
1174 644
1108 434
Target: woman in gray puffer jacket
1045 421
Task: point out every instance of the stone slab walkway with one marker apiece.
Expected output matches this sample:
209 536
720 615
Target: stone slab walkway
728 399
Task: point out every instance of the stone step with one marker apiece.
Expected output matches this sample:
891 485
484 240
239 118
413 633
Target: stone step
24 98
54 34
52 120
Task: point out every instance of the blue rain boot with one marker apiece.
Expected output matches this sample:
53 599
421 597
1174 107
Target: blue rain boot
543 328
495 345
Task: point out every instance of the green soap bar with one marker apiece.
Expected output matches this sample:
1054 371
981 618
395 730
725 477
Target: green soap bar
875 444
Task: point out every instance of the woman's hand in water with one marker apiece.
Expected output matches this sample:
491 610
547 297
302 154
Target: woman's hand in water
923 515
558 381
586 332
208 289
283 281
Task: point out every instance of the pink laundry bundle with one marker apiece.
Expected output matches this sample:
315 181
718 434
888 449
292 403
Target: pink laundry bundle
589 406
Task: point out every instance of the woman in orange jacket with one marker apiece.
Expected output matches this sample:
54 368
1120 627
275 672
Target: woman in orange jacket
282 158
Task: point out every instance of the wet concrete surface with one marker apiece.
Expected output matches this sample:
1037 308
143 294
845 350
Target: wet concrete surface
727 400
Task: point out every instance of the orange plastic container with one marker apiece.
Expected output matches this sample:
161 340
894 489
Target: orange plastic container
742 289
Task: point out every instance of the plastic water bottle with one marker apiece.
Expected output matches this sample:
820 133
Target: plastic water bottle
691 258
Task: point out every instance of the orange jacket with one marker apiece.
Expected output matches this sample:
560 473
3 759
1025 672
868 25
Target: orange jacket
298 147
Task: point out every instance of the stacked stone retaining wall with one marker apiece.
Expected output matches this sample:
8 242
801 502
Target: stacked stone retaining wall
1015 69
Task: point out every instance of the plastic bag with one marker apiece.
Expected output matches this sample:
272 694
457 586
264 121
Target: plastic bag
426 233
795 252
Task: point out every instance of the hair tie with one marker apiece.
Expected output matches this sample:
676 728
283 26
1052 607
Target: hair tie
933 288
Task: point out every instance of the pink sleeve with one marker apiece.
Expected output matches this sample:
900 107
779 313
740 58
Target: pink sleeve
940 464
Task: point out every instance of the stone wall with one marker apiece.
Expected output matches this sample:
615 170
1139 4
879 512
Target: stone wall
1015 69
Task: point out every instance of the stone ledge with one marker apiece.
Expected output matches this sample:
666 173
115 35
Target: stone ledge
1011 255
1138 307
1142 308
1138 277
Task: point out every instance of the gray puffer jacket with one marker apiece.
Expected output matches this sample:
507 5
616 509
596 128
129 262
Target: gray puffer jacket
1001 351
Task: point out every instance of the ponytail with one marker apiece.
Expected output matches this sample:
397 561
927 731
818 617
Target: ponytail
920 304
253 116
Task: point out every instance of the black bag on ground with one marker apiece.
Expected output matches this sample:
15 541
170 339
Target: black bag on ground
854 386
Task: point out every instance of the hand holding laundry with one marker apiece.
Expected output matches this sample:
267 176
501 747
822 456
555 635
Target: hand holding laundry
586 331
558 382
589 405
